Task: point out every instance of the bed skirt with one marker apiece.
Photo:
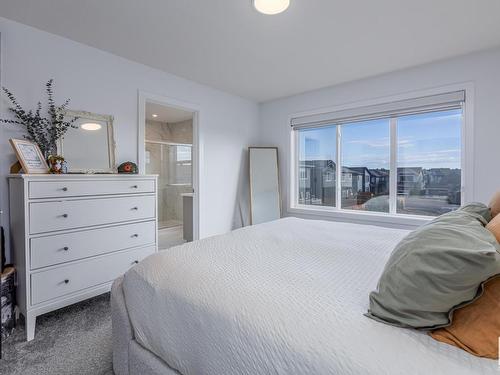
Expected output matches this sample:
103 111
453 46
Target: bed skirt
130 358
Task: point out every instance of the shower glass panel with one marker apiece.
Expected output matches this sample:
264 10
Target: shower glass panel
173 165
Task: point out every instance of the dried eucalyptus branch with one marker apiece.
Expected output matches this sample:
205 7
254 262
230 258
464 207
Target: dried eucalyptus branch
44 131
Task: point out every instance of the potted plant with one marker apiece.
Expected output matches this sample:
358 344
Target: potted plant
42 128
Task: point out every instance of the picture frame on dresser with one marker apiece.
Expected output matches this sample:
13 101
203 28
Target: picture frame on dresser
29 156
73 235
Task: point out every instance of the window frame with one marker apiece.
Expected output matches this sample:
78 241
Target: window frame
392 218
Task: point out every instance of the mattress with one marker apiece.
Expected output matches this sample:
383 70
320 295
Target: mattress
285 297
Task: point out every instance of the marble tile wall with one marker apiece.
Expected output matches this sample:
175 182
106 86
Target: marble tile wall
179 132
158 162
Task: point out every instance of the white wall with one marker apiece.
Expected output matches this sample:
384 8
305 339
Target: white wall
480 69
99 82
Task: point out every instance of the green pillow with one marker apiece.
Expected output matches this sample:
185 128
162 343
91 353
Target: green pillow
476 209
437 268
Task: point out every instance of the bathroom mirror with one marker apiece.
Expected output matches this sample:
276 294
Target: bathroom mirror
89 147
265 200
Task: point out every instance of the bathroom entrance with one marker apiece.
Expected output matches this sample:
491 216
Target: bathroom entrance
169 154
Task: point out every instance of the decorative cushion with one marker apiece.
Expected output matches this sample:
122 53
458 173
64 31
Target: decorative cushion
494 227
435 269
476 327
477 209
495 204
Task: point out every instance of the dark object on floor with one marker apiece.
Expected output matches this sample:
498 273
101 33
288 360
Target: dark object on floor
128 167
2 249
2 262
7 302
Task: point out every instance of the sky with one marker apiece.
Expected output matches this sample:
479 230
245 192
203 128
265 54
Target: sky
430 140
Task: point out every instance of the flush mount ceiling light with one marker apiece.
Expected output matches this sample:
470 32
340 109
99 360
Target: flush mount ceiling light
154 115
271 6
90 126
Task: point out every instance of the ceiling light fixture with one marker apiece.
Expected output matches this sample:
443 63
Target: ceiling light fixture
90 126
271 7
154 115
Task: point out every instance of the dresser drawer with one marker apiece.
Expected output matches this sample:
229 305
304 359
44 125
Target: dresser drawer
68 188
74 277
62 248
72 214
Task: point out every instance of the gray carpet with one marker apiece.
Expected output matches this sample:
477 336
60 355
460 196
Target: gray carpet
72 340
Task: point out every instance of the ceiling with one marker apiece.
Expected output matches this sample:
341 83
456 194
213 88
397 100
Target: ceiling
166 114
226 44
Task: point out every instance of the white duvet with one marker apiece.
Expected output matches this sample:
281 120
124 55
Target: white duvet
286 297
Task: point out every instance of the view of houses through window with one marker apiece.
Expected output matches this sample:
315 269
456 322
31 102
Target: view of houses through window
427 164
317 168
365 165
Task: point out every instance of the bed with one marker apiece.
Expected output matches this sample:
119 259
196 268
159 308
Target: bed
285 297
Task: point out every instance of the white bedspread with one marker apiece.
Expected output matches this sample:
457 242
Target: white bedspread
286 297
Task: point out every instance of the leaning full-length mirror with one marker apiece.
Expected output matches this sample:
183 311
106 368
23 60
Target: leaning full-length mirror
265 201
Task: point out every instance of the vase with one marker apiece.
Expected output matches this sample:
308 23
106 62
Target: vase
49 150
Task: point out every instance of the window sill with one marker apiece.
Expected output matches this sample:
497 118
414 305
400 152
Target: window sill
361 217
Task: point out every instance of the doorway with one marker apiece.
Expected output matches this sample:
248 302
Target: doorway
173 164
169 150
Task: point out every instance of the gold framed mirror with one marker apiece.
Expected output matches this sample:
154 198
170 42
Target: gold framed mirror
265 196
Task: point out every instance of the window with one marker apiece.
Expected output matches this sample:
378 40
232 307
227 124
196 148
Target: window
180 167
183 153
429 160
365 165
398 158
317 155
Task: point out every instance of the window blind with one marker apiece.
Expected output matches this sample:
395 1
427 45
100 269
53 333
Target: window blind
447 101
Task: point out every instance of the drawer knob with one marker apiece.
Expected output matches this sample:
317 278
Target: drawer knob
65 248
135 235
66 281
64 189
135 208
135 187
65 215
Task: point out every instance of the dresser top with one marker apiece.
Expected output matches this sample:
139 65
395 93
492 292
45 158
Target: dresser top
80 176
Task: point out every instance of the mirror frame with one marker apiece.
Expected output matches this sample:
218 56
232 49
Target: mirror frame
108 119
278 179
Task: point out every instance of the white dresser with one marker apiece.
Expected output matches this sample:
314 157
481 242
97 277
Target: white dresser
72 235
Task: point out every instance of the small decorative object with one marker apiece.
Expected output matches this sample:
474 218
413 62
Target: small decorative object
44 131
30 156
128 167
64 167
56 164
